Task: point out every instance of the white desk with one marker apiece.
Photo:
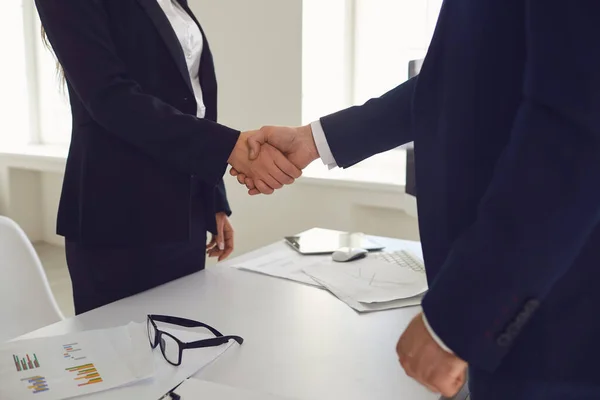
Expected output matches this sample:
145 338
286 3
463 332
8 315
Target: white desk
301 342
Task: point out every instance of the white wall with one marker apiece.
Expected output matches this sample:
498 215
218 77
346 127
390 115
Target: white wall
258 55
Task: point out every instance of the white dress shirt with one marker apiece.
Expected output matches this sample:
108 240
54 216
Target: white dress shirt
328 159
192 43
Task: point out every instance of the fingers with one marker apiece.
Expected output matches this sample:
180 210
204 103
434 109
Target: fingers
425 361
286 167
440 376
212 243
229 242
270 172
241 179
250 183
263 188
218 241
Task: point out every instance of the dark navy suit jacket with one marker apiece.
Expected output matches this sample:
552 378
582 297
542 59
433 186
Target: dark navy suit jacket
505 116
139 160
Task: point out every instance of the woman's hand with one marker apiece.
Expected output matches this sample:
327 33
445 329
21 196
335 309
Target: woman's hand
221 244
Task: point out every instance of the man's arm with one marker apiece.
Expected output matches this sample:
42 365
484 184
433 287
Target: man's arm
343 138
360 132
544 199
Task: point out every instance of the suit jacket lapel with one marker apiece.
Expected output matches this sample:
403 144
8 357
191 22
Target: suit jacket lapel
167 33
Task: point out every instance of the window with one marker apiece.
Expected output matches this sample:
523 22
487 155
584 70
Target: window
54 112
387 35
355 50
14 104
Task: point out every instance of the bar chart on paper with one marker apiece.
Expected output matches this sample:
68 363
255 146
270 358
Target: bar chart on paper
26 363
73 352
86 374
36 384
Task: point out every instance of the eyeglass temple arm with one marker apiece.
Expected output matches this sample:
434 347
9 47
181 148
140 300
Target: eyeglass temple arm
188 323
212 342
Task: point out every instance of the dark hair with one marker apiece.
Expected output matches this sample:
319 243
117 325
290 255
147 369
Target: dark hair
60 72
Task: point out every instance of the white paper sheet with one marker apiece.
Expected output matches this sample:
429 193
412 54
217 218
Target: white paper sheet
76 364
167 376
365 307
287 264
195 389
369 280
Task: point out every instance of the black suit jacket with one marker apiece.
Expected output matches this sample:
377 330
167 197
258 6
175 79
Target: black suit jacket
139 158
506 124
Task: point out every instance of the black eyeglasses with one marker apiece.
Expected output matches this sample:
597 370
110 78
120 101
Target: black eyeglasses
171 347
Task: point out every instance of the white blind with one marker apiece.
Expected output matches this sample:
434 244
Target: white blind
389 33
14 100
54 110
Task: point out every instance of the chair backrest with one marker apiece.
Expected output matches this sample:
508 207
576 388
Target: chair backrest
26 301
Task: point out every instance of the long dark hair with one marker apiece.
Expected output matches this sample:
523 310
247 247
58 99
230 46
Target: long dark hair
60 72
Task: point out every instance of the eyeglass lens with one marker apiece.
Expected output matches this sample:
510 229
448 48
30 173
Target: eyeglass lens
170 348
151 332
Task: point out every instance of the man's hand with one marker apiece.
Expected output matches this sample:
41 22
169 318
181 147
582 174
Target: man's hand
424 360
269 167
297 144
221 244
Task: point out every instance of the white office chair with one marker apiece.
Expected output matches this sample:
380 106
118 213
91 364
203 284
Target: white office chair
26 301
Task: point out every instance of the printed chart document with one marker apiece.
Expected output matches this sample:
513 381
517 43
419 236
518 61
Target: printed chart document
370 284
195 389
77 364
109 364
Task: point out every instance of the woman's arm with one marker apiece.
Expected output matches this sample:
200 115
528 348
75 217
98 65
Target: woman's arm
79 33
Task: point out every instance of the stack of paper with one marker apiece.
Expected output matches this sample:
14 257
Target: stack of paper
77 364
370 284
287 264
108 364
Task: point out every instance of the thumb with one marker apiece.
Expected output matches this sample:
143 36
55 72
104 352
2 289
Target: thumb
254 142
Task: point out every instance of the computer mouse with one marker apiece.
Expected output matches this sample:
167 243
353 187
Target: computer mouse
346 254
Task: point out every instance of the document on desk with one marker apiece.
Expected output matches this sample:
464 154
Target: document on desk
286 264
370 284
195 389
167 376
76 364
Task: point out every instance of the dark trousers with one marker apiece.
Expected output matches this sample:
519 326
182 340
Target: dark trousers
102 274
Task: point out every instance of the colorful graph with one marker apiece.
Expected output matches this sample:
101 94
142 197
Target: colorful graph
73 352
87 374
26 363
37 384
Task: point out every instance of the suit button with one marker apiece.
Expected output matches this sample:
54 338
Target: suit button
532 305
504 340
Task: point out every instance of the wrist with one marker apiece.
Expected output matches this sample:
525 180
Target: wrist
235 153
307 134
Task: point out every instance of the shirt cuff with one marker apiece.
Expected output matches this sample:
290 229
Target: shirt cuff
435 337
322 145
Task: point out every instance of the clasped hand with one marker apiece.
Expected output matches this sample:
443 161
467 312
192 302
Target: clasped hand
266 159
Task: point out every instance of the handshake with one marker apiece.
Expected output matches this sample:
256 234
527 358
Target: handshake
269 158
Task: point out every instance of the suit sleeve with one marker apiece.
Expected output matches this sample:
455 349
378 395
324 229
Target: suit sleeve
380 124
80 37
221 202
544 199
